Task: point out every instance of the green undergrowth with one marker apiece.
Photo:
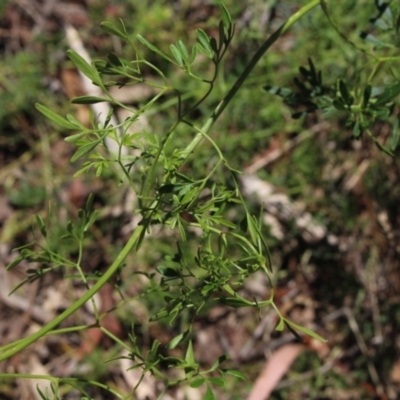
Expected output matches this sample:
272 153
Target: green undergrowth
171 280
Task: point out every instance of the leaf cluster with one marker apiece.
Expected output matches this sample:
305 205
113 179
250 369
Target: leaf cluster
360 103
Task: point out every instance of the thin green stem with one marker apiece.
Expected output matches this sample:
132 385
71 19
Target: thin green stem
115 338
242 78
378 144
324 5
22 344
82 275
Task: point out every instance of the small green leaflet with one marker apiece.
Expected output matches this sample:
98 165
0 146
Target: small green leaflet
88 100
55 117
85 67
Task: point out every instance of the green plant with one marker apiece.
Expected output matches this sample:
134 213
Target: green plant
228 251
368 98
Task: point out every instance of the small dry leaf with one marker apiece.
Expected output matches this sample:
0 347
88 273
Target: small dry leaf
276 367
395 373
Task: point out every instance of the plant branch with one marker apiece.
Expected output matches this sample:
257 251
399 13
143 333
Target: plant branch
242 78
22 344
13 348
